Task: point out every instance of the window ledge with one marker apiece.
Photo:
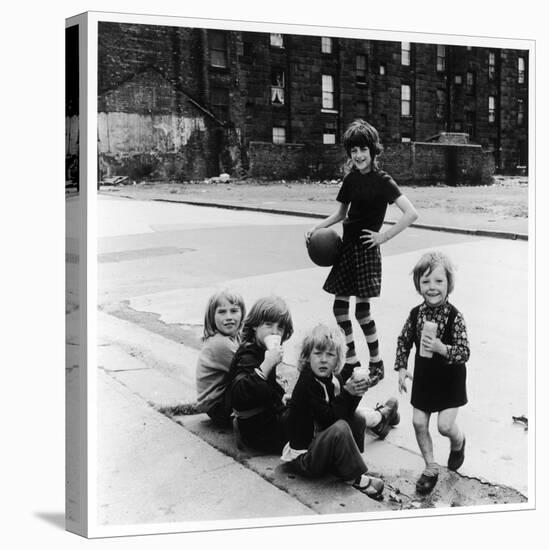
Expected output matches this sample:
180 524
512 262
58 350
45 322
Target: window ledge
330 111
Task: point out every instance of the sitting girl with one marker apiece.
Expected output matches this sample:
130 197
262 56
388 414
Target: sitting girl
326 432
256 396
439 372
222 323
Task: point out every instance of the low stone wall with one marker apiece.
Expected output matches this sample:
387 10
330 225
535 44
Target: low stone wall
294 160
419 163
415 163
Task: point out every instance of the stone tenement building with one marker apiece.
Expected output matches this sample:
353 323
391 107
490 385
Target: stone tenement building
188 103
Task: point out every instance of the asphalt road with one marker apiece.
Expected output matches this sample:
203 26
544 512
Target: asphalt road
159 262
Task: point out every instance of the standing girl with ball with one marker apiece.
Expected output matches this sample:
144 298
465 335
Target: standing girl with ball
363 198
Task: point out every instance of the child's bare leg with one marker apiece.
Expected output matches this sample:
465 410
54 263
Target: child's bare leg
448 427
420 420
343 319
428 479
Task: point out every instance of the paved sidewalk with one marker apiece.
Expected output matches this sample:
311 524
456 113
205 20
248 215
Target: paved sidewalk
165 471
155 469
152 471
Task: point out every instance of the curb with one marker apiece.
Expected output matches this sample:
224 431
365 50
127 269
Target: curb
475 232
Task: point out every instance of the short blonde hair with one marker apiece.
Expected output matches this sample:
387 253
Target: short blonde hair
430 261
215 299
323 337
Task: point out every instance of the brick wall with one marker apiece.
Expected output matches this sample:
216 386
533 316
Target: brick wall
428 164
294 160
155 79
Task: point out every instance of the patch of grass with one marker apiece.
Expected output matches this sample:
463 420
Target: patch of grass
183 409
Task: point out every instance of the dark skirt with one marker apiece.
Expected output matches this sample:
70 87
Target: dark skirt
438 386
357 272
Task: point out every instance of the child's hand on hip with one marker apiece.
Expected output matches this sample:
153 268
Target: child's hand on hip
403 374
308 235
371 238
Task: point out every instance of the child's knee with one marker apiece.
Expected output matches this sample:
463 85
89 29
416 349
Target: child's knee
340 429
421 425
445 428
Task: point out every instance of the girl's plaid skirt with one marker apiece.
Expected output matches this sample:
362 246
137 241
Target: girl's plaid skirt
357 272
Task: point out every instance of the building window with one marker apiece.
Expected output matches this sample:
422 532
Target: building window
491 65
520 112
219 100
458 126
382 69
458 79
279 134
470 123
405 50
521 72
277 86
406 100
277 41
441 104
329 135
326 44
470 82
218 49
491 109
361 66
441 58
327 91
362 109
405 139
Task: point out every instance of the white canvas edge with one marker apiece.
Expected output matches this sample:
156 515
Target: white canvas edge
92 18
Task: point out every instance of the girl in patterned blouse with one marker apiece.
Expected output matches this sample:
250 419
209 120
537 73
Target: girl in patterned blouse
439 370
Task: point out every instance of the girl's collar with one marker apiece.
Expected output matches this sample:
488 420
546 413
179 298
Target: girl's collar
437 307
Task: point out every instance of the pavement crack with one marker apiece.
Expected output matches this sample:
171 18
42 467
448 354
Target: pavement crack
181 333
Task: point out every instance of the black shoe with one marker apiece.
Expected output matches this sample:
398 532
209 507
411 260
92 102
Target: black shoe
456 458
376 373
389 417
425 484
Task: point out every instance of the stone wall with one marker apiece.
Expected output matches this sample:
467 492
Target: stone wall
420 163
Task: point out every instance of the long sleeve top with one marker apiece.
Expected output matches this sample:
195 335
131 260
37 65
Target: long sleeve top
212 367
250 389
316 404
458 349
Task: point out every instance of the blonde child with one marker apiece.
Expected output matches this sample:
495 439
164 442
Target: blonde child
222 323
256 396
326 432
363 198
438 381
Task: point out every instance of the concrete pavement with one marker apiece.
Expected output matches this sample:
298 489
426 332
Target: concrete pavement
142 370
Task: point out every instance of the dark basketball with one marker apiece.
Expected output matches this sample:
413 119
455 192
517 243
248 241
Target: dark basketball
324 247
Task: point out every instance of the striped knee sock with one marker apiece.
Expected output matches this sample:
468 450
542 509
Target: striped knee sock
368 327
341 313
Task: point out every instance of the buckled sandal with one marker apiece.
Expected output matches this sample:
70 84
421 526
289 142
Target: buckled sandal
372 488
389 417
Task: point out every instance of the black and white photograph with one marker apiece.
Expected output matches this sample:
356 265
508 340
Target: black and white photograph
310 255
291 291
